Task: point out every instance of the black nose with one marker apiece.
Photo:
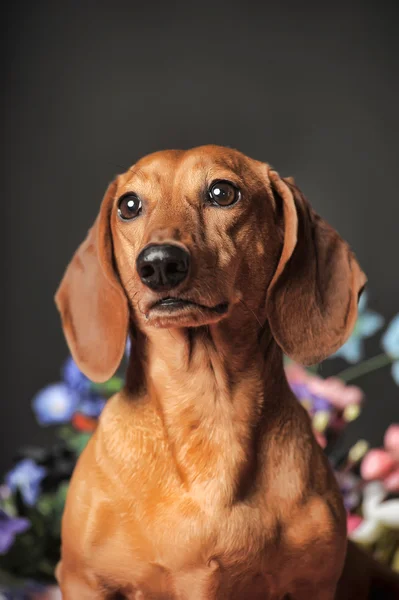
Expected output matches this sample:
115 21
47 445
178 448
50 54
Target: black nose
162 267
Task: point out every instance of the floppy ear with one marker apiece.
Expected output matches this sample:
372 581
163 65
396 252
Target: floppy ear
92 303
312 299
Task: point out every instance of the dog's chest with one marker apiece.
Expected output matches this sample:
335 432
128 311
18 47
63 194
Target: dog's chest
168 540
188 556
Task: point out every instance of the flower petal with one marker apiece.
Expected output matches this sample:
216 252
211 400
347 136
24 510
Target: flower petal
128 346
367 532
55 403
373 494
369 323
9 528
390 339
26 477
377 464
387 513
353 522
73 376
364 298
92 406
351 351
392 481
391 439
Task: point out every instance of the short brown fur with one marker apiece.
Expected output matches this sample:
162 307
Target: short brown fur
203 479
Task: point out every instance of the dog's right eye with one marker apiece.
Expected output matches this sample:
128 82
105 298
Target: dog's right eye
129 206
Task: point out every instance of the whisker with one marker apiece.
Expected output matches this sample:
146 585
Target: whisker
250 309
172 335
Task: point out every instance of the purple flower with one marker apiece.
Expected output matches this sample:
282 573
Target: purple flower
26 589
314 402
26 476
74 378
55 403
92 406
320 403
349 486
9 528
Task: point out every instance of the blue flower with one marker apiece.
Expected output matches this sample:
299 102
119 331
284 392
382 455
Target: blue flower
9 528
74 378
55 403
92 406
128 346
367 324
26 476
390 343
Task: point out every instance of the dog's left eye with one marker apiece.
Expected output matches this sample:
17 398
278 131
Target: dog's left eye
129 206
223 193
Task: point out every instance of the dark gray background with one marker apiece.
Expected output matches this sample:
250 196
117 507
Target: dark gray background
91 86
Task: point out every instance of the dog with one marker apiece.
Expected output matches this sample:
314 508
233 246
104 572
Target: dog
203 480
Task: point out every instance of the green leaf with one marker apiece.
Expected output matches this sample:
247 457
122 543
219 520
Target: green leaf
9 506
45 504
79 442
61 496
110 387
66 433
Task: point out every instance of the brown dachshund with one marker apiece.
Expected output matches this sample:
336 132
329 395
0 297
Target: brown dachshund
203 480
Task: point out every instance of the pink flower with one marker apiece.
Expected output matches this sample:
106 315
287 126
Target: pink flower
335 391
391 440
331 389
383 463
352 522
377 464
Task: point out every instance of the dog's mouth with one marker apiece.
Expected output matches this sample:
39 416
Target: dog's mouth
182 312
171 305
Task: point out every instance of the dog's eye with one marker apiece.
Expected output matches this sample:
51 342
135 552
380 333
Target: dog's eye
223 193
129 206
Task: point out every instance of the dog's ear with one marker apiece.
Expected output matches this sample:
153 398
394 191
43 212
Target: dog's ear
313 296
92 303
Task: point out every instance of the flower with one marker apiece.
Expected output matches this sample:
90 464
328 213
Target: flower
383 464
128 346
26 477
59 461
83 423
391 439
330 402
92 406
390 339
73 376
55 403
21 590
377 464
349 484
352 522
377 514
390 343
324 393
367 324
9 528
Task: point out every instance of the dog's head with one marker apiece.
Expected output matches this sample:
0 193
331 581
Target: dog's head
184 237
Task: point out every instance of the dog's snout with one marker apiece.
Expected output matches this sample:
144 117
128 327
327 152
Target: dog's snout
163 266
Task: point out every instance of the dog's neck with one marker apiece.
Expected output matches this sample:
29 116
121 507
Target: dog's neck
210 385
